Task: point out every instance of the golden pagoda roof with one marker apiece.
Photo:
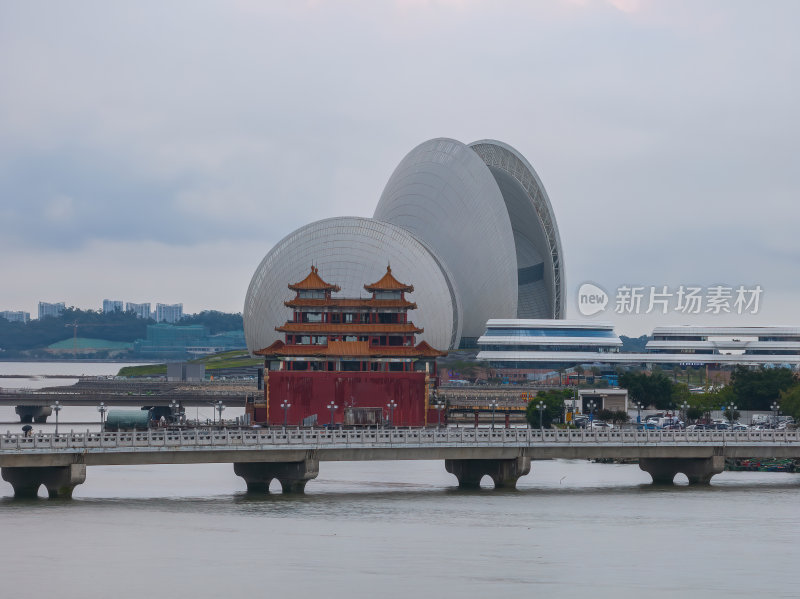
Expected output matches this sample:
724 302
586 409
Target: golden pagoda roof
388 283
313 281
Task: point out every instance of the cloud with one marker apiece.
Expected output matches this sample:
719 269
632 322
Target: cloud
665 133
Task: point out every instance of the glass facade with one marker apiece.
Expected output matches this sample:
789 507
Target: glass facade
548 332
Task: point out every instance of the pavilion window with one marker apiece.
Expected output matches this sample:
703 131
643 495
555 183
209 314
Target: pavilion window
387 295
311 294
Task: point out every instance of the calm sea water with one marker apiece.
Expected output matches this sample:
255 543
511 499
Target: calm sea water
401 529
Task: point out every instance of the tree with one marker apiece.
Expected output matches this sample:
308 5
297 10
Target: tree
553 400
757 389
680 394
620 417
702 404
217 322
790 401
650 389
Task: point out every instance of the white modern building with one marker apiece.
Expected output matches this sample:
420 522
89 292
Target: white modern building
470 224
775 343
538 344
140 310
544 343
169 313
15 316
112 306
48 309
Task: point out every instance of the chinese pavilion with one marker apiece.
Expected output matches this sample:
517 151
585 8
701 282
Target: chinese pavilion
348 360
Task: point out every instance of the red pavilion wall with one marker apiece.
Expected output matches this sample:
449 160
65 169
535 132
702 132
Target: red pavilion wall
310 393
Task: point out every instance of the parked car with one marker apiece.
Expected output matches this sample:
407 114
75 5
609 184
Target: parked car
580 421
647 426
698 427
601 424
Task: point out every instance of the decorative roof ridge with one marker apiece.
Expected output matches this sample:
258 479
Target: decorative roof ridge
313 281
276 345
388 283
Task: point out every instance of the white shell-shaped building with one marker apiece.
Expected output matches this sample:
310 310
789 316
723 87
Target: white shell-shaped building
351 252
470 226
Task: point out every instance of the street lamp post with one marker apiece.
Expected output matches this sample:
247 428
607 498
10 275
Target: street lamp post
685 407
332 407
173 412
591 405
391 405
775 411
220 408
102 409
285 405
57 408
493 405
540 406
639 412
439 407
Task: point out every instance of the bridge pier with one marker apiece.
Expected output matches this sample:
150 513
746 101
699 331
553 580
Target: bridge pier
293 476
698 470
59 480
504 473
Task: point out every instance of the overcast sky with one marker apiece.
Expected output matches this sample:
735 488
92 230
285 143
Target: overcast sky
155 151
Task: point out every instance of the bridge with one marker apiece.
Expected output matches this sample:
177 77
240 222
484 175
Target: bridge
292 456
35 404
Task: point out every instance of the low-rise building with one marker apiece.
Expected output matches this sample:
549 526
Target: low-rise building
15 316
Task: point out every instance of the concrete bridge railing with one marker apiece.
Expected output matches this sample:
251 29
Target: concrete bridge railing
419 437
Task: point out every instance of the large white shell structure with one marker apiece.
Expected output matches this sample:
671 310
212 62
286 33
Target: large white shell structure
470 226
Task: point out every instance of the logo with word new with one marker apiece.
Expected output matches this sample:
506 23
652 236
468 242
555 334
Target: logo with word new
591 299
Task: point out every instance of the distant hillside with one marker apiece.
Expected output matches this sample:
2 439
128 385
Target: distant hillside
83 343
221 361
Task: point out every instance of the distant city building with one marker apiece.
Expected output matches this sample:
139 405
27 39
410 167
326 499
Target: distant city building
140 310
169 313
48 309
112 306
12 316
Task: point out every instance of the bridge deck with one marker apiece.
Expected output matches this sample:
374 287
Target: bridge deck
275 445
